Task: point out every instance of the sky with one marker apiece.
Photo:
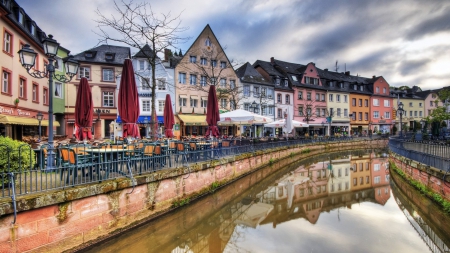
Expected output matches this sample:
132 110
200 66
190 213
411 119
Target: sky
405 41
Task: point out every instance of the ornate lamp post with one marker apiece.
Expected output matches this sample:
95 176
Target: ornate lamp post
254 105
39 117
400 111
323 127
27 59
370 129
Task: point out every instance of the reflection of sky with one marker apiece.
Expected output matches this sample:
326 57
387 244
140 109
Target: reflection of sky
366 227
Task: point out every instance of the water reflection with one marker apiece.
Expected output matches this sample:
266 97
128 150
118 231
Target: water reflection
278 211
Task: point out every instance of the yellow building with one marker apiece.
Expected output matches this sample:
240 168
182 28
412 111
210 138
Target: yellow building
204 63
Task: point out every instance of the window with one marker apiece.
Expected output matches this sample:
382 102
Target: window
345 98
377 89
330 97
246 91
214 63
376 114
85 72
331 83
384 90
361 88
294 78
308 95
193 102
193 79
213 80
223 64
247 106
146 106
223 102
317 111
288 99
161 83
376 102
420 104
204 102
387 103
256 91
108 98
345 112
308 111
420 113
366 116
387 115
145 83
182 101
58 64
360 116
33 29
338 112
353 101
354 116
280 113
323 112
202 61
263 110
431 103
317 97
286 83
232 84
6 82
203 81
45 96
366 102
270 93
323 97
7 42
193 59
355 87
58 90
35 92
300 95
341 85
108 75
415 113
410 113
263 92
338 98
161 105
271 110
223 82
182 78
208 42
22 87
279 99
233 104
300 111
376 180
360 102
277 81
141 64
411 104
20 18
310 80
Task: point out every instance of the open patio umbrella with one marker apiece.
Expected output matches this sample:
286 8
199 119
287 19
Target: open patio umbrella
169 120
282 123
212 113
128 101
84 111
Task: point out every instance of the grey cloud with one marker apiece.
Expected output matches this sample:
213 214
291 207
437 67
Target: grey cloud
431 26
409 67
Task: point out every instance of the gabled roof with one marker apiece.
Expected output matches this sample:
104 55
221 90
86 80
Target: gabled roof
145 52
99 55
288 66
247 73
268 67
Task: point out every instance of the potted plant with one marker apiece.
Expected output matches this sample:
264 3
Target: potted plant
307 135
16 102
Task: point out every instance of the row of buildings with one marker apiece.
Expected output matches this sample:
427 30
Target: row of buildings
330 102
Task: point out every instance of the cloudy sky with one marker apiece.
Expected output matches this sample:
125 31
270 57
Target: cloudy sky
406 41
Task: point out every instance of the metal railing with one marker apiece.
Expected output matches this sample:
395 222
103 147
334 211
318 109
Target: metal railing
83 164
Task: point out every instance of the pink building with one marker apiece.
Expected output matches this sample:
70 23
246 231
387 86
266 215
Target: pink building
381 106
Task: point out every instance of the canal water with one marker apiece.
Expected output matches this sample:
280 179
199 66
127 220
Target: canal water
341 202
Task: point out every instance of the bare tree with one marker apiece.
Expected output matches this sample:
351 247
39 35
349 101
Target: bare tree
136 24
308 110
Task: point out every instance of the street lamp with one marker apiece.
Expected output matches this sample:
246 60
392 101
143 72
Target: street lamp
98 111
400 111
39 117
27 59
323 127
146 127
254 105
370 129
422 123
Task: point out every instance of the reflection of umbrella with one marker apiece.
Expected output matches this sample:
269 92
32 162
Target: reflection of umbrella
128 101
84 110
292 181
252 215
169 121
212 113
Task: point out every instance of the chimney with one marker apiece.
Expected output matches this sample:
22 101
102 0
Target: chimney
325 70
347 73
272 60
166 54
373 77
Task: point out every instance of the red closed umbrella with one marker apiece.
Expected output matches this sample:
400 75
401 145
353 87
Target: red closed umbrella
128 101
84 111
212 113
169 120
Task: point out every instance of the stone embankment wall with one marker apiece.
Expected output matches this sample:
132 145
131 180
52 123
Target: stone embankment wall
430 177
63 220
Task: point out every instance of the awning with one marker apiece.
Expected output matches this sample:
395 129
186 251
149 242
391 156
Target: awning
183 96
193 120
141 119
194 97
14 120
205 98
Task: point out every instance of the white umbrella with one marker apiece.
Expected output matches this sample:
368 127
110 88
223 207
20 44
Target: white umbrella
243 117
282 123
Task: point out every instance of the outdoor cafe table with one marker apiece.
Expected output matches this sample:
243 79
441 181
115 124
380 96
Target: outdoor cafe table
109 156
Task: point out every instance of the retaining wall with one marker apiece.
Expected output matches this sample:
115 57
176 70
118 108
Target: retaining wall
62 220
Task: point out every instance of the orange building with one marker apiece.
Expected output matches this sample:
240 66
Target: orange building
361 172
359 109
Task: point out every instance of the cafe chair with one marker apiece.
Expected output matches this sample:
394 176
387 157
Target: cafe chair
181 151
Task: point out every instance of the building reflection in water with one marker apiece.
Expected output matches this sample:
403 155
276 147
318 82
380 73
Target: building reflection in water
302 191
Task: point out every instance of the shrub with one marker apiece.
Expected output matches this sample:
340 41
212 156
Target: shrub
17 163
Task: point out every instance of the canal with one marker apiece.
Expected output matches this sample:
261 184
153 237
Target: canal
340 202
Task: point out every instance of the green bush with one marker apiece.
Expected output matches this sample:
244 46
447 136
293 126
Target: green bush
10 148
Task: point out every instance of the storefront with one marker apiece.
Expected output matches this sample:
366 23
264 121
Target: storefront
144 123
195 125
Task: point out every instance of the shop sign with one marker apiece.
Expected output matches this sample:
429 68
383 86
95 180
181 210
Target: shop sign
382 121
10 111
177 127
102 110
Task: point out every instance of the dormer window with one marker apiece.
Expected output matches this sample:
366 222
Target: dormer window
331 84
361 88
341 85
277 81
109 56
294 78
89 54
285 83
20 17
33 29
355 87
